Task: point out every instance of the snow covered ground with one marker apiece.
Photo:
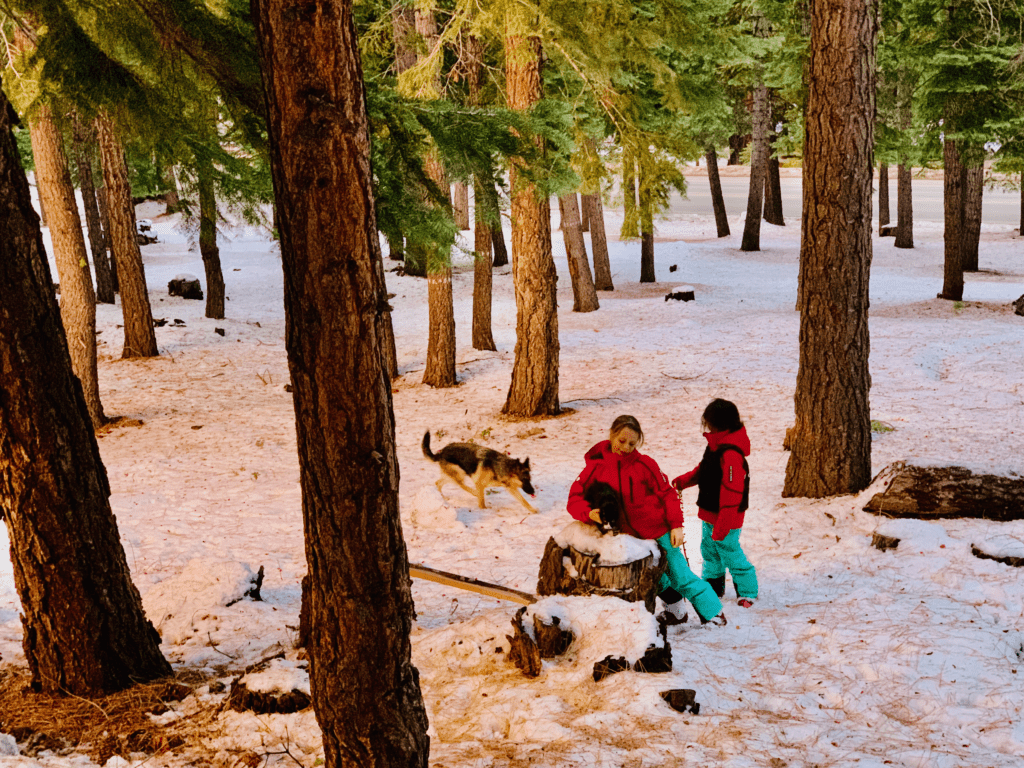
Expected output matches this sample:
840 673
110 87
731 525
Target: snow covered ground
851 656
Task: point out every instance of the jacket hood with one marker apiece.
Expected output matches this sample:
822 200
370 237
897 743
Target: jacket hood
738 438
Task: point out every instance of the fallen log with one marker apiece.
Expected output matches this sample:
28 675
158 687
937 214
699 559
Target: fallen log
946 492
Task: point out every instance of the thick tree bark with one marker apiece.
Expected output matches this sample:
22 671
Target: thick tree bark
758 166
904 208
364 687
831 439
208 240
584 215
736 145
584 296
84 146
883 197
85 632
954 178
139 338
717 199
974 189
534 387
440 363
77 299
599 243
460 204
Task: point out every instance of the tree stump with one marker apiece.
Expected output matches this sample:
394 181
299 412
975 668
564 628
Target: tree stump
887 231
566 571
946 492
682 293
546 642
657 658
883 543
1018 306
186 286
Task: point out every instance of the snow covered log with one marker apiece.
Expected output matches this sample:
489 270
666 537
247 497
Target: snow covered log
545 641
271 686
581 561
1011 560
934 492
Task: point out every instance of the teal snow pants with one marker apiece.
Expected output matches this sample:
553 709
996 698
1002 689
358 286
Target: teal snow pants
679 577
726 555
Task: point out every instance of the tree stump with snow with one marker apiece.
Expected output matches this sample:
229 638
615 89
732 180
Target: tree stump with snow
186 286
937 492
681 293
545 642
565 570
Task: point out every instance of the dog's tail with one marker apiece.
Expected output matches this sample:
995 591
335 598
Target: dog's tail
426 447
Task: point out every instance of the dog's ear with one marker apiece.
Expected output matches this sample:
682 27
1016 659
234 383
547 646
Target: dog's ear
527 462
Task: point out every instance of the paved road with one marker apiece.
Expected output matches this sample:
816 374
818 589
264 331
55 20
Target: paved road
998 207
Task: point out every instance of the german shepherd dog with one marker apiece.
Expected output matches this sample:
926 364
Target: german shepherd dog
485 467
608 503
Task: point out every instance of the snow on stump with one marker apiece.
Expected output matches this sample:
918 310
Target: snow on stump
936 492
1018 306
272 686
186 286
582 561
604 634
681 293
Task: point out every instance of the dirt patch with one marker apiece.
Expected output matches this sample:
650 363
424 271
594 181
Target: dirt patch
118 724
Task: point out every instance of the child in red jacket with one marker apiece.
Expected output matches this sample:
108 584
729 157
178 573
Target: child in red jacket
650 509
723 480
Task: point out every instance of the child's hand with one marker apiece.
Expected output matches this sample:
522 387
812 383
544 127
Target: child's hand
678 483
676 537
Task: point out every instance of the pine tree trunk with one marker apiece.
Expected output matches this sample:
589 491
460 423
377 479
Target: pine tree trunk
883 197
584 296
364 687
646 221
85 632
953 228
736 145
440 364
83 145
584 215
599 243
77 299
498 245
904 208
485 215
460 204
208 240
483 272
172 200
717 199
534 387
139 338
403 26
773 179
831 439
101 202
396 246
630 216
758 167
974 189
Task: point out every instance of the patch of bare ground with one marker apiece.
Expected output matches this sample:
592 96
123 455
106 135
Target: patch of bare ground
117 724
629 290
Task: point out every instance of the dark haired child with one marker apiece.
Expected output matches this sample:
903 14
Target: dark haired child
723 480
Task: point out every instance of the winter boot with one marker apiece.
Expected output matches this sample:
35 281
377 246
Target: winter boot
718 584
717 621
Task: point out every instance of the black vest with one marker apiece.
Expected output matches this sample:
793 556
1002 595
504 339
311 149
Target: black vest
709 479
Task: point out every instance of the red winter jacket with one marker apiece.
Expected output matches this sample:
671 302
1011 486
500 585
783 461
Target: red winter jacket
651 506
728 517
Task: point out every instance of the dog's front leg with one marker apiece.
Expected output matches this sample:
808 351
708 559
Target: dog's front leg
522 499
